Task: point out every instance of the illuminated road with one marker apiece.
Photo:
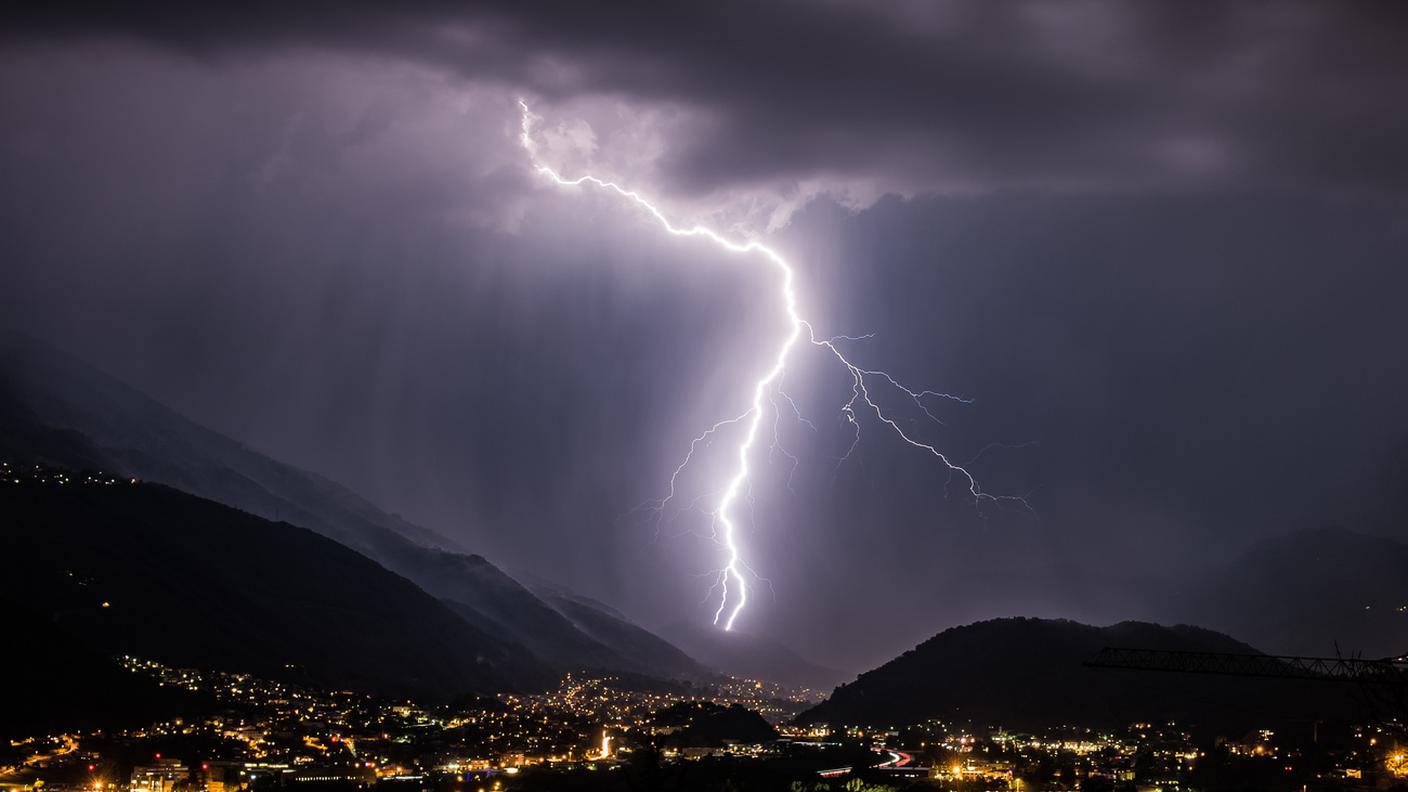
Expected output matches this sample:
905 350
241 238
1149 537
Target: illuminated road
896 760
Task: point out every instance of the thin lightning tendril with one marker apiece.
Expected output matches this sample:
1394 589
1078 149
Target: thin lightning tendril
731 583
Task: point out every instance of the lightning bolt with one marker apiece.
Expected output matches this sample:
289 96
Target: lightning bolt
733 584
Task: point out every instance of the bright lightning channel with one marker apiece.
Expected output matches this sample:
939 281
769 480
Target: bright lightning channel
798 327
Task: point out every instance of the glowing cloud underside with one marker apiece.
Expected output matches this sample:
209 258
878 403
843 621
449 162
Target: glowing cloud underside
766 387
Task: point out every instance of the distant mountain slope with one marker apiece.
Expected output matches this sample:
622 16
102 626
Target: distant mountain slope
1303 592
497 603
610 628
153 572
751 656
56 409
1028 673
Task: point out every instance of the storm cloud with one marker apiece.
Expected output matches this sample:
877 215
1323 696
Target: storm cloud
952 96
1160 244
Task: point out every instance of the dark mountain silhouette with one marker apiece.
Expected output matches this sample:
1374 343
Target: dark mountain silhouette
1305 592
53 680
57 410
1029 673
706 724
145 570
750 656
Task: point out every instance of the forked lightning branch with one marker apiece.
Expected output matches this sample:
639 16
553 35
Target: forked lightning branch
766 386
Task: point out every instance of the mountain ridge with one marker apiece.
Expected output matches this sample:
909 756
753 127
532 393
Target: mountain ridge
1311 592
1030 673
147 570
59 410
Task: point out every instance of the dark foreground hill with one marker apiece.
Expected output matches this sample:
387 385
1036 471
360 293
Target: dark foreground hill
1029 673
704 723
53 681
145 570
57 410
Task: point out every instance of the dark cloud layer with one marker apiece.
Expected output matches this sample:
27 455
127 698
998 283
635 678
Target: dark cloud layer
947 96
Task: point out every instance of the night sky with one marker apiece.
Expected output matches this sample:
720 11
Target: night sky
1162 247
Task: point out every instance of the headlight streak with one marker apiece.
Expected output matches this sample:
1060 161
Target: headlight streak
766 389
